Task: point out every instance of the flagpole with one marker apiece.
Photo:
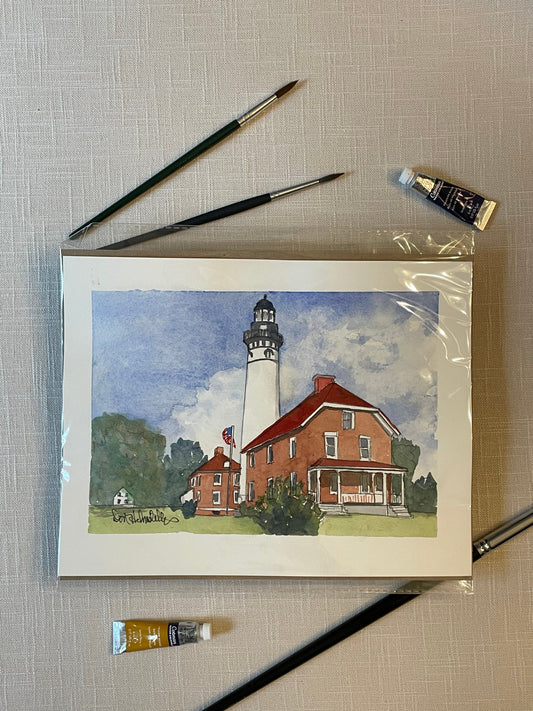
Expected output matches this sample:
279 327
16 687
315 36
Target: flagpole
232 428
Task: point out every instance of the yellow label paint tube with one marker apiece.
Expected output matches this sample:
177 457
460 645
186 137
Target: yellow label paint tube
137 635
469 207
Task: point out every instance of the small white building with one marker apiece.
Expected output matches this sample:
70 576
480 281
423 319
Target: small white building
122 498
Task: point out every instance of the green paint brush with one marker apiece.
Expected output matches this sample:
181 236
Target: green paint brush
180 162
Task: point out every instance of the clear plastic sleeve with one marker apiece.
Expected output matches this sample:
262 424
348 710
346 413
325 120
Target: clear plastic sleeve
410 248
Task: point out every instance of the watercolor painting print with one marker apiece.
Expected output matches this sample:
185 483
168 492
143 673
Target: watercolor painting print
307 417
333 397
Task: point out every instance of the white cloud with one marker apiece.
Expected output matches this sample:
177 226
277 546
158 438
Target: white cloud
211 410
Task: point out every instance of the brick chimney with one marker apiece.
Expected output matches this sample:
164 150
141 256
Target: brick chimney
219 450
321 381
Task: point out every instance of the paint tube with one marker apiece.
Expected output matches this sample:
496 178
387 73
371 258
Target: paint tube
464 204
137 635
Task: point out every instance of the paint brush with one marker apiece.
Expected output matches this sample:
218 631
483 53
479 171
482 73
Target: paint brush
220 212
362 619
180 162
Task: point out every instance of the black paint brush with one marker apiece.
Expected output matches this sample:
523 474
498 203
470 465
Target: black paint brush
180 162
219 213
365 617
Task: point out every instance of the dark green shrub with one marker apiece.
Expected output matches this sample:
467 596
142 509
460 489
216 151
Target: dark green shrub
285 510
188 508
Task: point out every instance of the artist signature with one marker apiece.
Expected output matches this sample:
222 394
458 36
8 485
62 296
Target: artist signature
134 516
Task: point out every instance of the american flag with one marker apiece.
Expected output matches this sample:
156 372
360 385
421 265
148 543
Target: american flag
227 436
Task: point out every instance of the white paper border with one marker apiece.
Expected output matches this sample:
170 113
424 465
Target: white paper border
183 554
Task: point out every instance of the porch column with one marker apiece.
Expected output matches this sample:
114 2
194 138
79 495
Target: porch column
403 489
339 495
385 489
318 486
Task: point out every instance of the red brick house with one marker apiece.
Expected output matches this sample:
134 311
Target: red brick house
338 446
209 486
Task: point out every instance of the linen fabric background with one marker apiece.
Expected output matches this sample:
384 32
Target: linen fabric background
95 97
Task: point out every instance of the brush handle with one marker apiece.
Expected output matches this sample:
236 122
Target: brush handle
353 624
362 619
210 216
176 165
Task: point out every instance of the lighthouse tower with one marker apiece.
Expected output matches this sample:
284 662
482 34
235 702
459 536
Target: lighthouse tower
261 395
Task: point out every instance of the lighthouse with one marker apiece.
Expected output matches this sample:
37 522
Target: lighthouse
261 395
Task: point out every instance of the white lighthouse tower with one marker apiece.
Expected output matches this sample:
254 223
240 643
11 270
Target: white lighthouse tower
261 395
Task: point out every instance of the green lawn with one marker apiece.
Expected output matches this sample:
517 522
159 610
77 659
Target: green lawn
421 525
164 520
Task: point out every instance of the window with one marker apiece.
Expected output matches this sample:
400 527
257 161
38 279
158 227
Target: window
198 495
330 441
198 478
364 447
333 483
193 482
364 482
216 498
294 480
292 447
251 490
347 420
236 479
270 453
217 479
251 459
235 497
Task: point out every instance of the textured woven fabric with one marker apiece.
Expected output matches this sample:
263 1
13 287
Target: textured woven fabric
96 95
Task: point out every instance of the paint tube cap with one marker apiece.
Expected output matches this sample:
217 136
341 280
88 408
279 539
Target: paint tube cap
205 630
406 176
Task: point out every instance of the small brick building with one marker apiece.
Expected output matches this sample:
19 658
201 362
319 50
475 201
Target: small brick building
214 486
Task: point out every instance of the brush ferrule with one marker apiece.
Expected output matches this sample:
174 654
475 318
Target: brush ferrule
293 189
257 110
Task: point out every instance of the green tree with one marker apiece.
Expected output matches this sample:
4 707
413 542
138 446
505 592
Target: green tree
126 454
420 495
424 494
285 510
185 456
406 454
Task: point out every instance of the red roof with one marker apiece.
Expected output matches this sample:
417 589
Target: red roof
325 462
217 464
332 394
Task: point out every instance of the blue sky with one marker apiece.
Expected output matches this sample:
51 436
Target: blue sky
177 360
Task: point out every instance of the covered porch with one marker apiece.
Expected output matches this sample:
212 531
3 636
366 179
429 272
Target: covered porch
357 487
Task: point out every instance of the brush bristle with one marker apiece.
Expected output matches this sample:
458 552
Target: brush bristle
284 89
331 176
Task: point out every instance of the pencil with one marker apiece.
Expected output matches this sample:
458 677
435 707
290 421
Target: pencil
180 162
219 213
362 619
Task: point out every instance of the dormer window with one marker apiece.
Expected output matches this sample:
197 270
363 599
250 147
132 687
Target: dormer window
348 420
